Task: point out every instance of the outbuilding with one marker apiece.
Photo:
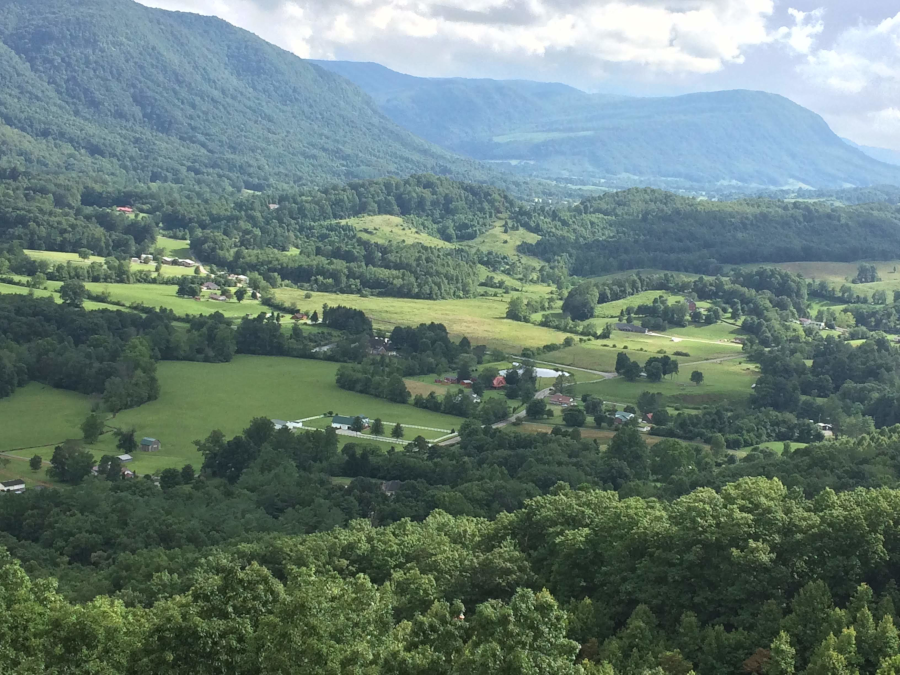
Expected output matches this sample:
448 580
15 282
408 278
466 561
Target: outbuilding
149 444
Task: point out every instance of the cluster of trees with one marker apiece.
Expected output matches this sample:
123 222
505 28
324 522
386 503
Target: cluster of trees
381 377
654 369
645 228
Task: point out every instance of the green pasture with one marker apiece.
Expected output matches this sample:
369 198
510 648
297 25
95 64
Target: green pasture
48 293
481 319
196 398
38 415
726 382
174 248
57 257
392 230
163 295
497 240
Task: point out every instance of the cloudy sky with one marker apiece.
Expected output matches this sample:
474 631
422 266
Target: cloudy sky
840 58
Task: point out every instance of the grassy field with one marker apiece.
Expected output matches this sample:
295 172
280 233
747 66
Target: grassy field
726 382
588 431
163 295
839 272
505 242
38 415
196 398
55 257
175 248
392 230
47 293
482 319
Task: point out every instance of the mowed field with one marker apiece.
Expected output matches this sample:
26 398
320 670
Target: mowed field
702 343
196 398
481 319
728 382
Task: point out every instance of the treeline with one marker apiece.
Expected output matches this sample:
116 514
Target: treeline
644 228
112 353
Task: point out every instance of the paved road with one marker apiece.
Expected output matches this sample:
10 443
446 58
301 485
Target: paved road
606 376
543 393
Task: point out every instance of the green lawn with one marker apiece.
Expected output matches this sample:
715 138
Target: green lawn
175 248
196 398
727 382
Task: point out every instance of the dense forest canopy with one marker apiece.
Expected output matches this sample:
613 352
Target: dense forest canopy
114 88
643 228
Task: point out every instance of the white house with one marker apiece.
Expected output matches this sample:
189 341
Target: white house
344 422
15 486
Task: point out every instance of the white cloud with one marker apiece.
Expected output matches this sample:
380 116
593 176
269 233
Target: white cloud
807 27
665 36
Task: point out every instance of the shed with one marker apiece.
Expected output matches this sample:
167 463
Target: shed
149 444
125 458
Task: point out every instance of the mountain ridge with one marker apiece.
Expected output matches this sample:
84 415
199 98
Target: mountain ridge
700 140
116 88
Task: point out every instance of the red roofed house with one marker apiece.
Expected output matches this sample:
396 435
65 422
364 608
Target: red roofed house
499 382
124 209
560 399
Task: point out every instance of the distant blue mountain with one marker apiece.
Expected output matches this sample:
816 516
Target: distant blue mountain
709 140
881 154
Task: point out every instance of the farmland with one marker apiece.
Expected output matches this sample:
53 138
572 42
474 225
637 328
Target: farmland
728 382
196 398
57 257
481 319
391 229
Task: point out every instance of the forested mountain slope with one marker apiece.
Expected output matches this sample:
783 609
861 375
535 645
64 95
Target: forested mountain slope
116 88
705 140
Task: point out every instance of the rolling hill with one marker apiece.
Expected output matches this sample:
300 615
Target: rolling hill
726 139
111 87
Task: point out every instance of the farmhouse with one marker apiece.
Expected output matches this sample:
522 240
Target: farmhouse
187 263
149 444
146 259
499 382
299 316
630 328
167 260
217 297
210 286
561 400
622 417
15 486
344 422
124 209
135 261
381 347
239 278
389 487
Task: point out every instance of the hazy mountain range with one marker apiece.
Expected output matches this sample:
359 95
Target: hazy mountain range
114 88
554 131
